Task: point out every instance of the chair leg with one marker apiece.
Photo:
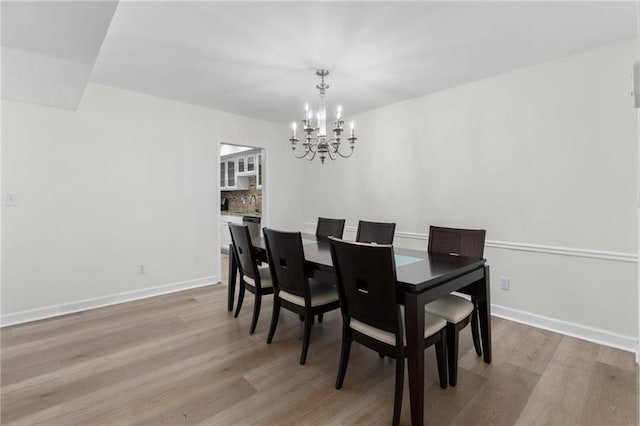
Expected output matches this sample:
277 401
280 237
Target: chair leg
452 353
256 312
274 319
397 403
320 317
344 358
475 332
441 358
240 298
308 322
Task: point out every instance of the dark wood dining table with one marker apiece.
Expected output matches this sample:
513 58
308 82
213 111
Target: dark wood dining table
422 277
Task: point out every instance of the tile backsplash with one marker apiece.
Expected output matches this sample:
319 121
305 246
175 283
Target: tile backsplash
245 201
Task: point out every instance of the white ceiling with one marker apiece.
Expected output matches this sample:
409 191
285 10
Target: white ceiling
49 49
227 149
258 58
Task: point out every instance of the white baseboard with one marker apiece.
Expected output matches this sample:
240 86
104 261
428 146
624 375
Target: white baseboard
591 334
602 337
98 302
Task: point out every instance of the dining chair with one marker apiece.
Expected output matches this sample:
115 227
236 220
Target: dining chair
371 314
329 228
293 290
252 278
375 232
457 310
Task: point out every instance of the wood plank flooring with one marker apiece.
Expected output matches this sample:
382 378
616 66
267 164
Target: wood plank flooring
182 359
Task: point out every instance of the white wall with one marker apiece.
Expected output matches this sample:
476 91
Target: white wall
127 179
542 156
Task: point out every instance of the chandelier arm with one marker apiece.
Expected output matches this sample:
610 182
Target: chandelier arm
313 155
336 150
301 156
343 155
308 149
313 147
332 154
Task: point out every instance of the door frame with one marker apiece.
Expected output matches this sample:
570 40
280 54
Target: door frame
264 220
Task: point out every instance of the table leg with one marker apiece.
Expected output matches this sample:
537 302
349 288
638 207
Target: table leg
414 323
484 312
233 268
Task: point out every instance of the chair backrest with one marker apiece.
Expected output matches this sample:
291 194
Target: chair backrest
286 262
329 228
366 276
463 242
375 232
243 250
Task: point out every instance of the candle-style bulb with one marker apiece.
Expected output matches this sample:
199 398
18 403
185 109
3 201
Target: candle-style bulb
339 114
306 107
352 128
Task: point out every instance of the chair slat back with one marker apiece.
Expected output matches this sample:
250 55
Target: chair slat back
329 228
243 250
367 284
286 261
463 242
375 232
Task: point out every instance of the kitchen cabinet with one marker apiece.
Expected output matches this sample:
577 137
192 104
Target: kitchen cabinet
229 177
242 167
231 173
227 174
259 174
246 165
225 234
236 169
251 164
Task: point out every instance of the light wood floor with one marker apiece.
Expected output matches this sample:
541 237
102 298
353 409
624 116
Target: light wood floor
183 359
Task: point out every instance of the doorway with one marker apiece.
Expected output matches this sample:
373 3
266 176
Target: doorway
242 192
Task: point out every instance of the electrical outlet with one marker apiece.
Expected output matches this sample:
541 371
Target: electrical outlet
142 269
505 283
10 199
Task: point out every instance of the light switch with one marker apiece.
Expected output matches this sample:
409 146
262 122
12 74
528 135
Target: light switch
505 283
10 199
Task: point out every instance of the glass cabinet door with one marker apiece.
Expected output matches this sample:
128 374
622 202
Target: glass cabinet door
231 173
223 174
251 163
241 165
259 177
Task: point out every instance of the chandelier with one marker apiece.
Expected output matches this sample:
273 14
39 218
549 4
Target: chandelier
315 139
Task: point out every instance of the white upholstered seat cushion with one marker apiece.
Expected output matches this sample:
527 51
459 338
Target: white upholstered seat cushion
432 325
450 307
265 278
321 294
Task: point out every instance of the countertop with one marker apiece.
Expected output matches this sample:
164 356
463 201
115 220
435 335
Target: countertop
234 213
